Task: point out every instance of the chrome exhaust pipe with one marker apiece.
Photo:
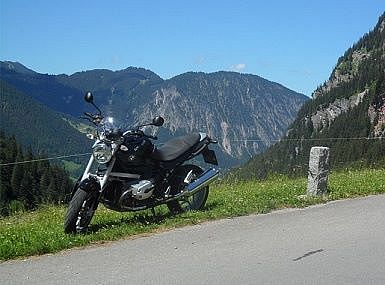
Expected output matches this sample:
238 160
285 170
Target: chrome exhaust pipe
206 178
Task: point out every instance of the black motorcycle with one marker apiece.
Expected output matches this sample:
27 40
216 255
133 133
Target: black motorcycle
127 172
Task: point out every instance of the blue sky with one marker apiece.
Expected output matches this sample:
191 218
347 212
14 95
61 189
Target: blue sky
295 43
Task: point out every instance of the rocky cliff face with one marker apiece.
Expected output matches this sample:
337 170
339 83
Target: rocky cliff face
366 56
376 114
231 107
344 72
326 115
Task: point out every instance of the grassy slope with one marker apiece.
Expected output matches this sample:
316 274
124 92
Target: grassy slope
42 231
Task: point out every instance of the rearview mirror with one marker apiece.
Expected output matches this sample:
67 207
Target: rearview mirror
158 121
89 97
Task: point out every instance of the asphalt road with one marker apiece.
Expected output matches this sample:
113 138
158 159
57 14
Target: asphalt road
338 243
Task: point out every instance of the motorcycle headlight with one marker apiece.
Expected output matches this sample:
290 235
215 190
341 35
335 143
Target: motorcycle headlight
102 153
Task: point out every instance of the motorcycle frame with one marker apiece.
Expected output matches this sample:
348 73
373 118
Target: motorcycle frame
102 180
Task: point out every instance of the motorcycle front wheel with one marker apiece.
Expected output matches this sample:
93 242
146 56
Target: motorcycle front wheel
189 203
80 211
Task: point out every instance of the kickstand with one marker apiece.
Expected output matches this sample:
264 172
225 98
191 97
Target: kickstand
153 211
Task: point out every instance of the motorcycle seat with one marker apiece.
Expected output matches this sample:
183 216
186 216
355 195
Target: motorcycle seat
176 147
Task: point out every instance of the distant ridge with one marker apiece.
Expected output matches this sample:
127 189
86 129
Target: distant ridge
16 67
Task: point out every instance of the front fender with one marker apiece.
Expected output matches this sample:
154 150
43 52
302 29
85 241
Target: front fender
72 193
89 185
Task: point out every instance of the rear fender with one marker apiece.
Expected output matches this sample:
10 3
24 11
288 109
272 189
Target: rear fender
209 156
202 148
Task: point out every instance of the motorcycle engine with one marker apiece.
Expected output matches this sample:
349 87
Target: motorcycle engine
142 190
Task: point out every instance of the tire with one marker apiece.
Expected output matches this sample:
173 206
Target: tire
195 202
80 211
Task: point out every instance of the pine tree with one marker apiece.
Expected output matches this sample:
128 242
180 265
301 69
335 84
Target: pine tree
3 195
17 175
27 196
44 184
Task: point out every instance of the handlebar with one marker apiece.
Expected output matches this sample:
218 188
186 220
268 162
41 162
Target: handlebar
151 137
114 134
95 119
139 133
88 114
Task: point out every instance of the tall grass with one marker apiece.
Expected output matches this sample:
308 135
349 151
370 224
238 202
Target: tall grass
41 231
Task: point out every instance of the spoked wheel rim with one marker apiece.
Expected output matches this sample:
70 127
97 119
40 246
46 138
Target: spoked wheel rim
188 203
194 202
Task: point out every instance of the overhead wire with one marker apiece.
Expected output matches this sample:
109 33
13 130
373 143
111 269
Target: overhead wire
311 139
246 140
44 159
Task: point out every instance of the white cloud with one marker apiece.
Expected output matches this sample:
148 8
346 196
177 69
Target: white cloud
200 60
239 67
115 59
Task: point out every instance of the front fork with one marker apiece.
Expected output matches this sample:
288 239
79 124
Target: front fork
101 179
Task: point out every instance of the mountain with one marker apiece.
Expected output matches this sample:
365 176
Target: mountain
15 67
346 113
229 106
37 126
43 87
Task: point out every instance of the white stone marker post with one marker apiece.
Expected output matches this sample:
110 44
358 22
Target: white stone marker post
318 171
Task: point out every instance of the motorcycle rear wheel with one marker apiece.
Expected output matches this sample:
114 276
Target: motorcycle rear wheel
195 202
80 211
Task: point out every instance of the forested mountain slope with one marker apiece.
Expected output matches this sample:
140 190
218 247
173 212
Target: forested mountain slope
347 113
37 126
